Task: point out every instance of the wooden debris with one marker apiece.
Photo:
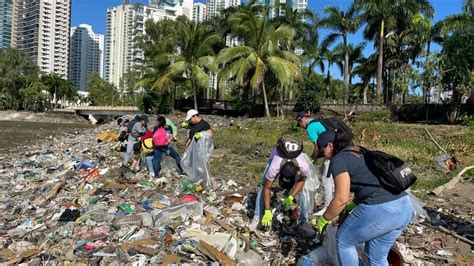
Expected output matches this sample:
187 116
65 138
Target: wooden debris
434 141
452 183
454 234
214 254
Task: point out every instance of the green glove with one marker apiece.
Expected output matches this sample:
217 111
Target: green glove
267 218
321 224
185 124
350 206
288 202
198 135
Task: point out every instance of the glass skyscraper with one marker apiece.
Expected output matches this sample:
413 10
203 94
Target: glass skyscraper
6 7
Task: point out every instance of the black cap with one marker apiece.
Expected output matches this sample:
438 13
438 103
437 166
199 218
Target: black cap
288 174
300 115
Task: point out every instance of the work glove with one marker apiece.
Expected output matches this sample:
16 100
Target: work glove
288 202
321 224
185 124
267 218
350 206
198 135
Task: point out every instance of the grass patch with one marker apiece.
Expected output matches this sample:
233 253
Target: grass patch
247 149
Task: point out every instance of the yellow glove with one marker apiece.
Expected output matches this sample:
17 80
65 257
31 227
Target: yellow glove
321 224
198 135
185 124
267 218
350 206
288 202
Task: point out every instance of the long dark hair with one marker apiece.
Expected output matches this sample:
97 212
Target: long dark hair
161 122
342 141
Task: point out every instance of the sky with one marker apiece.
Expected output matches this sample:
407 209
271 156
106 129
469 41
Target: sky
93 12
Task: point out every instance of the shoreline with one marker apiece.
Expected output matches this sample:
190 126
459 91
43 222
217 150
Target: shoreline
48 117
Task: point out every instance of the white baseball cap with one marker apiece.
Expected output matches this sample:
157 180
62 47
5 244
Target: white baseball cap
190 114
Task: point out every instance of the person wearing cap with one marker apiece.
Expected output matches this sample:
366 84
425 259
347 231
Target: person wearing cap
196 126
314 129
291 177
136 132
376 216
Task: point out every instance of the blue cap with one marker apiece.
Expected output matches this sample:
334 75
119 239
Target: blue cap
325 137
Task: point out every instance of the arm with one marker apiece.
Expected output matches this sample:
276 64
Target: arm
266 194
341 196
298 186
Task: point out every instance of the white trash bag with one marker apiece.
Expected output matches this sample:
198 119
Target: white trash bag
195 161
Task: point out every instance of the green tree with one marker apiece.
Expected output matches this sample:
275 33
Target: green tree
35 96
382 18
16 72
458 63
101 92
59 88
342 23
195 57
260 54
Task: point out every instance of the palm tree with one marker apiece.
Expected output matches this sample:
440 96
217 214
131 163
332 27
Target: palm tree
195 57
260 54
331 56
366 70
381 17
58 87
342 23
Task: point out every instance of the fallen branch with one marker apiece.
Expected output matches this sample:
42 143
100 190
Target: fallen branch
447 231
452 183
434 141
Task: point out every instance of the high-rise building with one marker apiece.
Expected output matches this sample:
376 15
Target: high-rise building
199 12
214 7
86 55
41 29
118 42
125 24
178 7
6 8
276 6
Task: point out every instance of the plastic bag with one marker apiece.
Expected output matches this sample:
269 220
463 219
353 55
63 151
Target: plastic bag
195 161
327 253
310 187
419 212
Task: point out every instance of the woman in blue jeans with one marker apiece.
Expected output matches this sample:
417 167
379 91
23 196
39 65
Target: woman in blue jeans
378 217
167 150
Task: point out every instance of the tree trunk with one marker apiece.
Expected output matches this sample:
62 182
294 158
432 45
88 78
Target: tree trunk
346 69
427 79
380 63
265 100
194 95
366 90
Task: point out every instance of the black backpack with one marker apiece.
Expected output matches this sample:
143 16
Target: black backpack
289 147
394 174
335 124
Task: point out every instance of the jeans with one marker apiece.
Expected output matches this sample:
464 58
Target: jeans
259 202
378 226
149 163
168 150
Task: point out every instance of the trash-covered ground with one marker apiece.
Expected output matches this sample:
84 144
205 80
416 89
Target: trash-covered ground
69 200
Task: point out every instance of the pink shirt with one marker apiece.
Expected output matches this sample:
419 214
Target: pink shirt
275 165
